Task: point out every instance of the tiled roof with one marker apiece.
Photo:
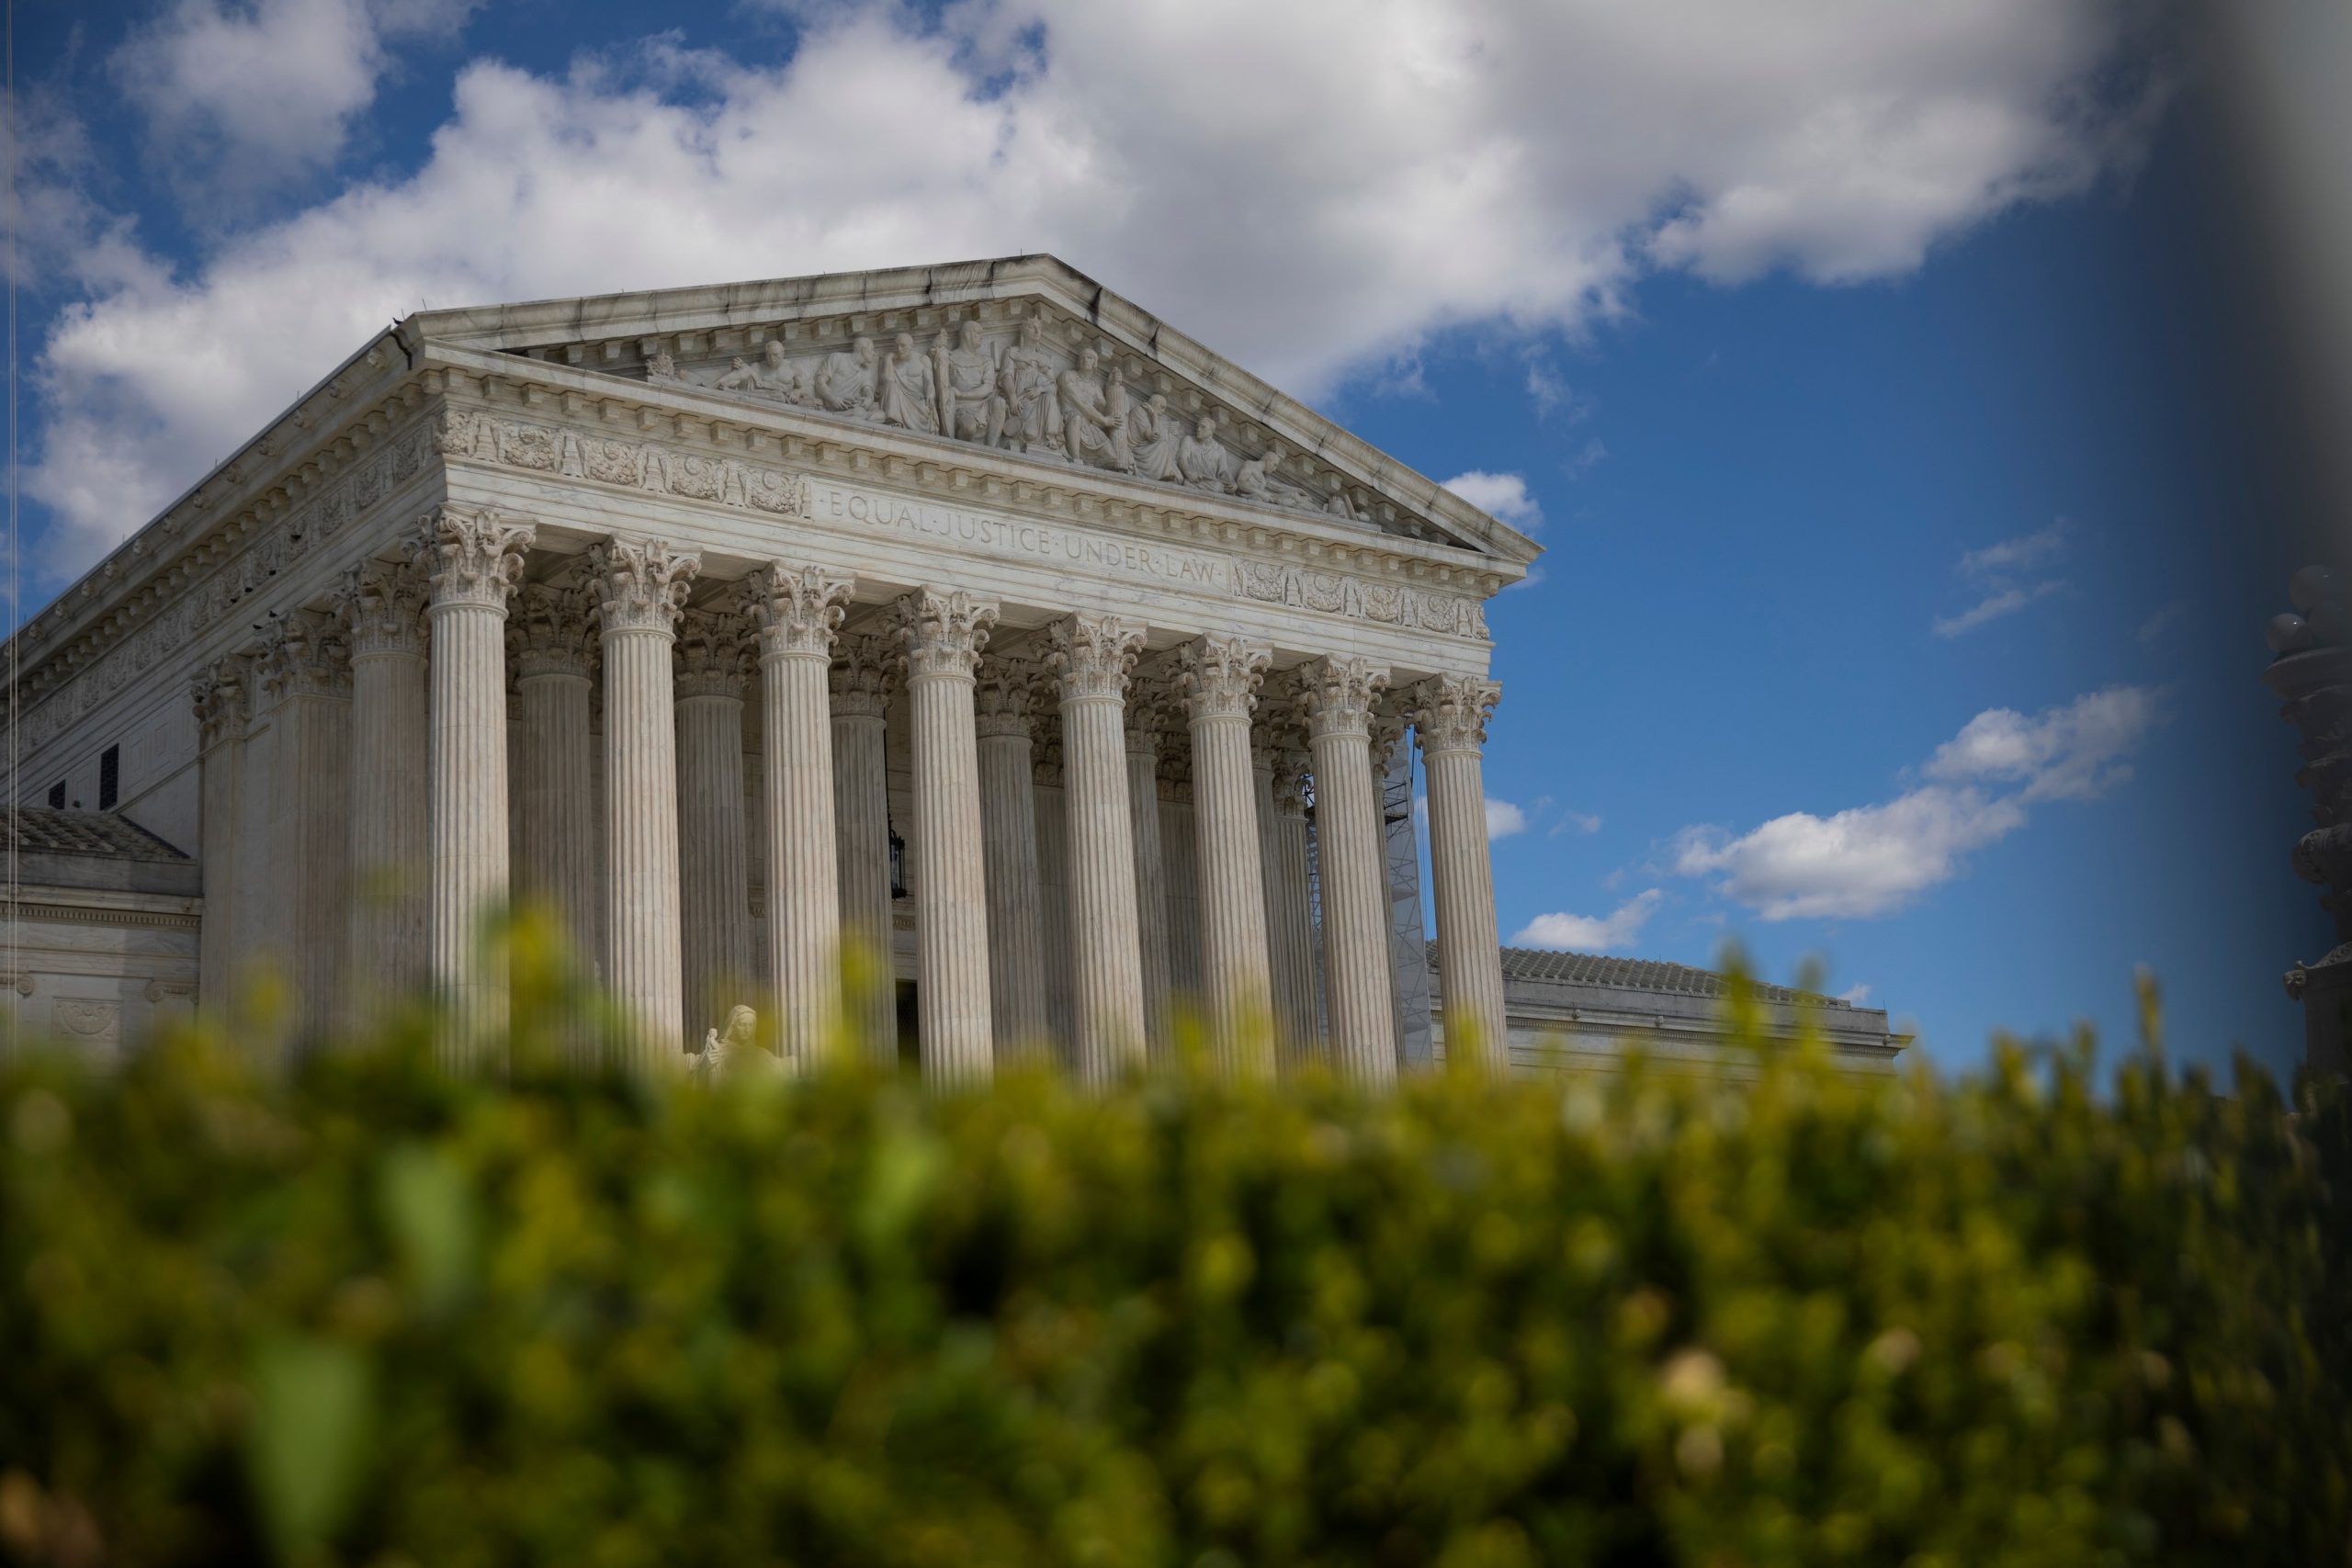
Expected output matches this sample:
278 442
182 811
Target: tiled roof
1631 975
40 829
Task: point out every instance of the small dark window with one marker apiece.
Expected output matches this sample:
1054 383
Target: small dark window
109 777
56 795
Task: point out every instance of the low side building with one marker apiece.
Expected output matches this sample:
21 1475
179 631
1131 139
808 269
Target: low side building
98 932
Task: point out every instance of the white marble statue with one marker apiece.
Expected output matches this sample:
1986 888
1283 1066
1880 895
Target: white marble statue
662 368
1093 432
965 370
906 393
737 1053
1255 481
739 377
778 377
1026 417
845 380
1153 435
1202 460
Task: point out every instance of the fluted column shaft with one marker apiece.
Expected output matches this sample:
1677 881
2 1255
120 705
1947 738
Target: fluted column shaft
1450 717
382 606
861 677
219 696
1151 878
1218 678
797 611
1338 695
1053 879
943 634
714 865
1290 922
471 561
641 589
558 830
1090 656
1007 725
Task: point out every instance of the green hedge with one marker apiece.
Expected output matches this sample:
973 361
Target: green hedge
369 1315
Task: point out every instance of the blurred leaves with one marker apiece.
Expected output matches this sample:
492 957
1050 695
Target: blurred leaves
359 1311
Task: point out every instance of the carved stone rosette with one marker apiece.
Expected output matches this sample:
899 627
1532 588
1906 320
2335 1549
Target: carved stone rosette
943 633
641 585
1339 695
714 655
219 697
552 630
382 607
1217 677
1450 712
1004 702
1090 656
301 657
797 610
471 556
864 673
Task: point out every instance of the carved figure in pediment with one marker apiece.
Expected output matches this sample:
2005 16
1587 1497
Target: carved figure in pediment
739 377
662 368
1094 431
1202 460
965 371
1341 506
779 378
1255 481
907 394
845 382
1153 435
1027 417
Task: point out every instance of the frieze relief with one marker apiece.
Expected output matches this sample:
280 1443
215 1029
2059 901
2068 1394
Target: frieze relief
651 466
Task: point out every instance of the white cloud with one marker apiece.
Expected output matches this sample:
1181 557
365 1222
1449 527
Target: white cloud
1856 995
1315 187
1575 822
1504 496
2073 753
2009 601
1588 933
1503 819
242 96
2012 555
2163 621
1873 860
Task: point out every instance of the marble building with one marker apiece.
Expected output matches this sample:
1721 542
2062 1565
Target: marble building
719 618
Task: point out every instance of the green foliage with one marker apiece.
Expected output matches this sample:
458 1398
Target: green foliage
366 1314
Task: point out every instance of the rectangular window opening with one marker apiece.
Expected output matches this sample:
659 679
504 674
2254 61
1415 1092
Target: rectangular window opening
109 777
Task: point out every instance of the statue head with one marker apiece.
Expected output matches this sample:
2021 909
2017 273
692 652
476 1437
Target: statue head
864 348
1087 359
969 333
1204 427
742 1025
1033 333
774 352
1271 457
1156 402
903 345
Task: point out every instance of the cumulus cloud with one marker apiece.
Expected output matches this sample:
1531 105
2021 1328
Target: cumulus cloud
242 98
1314 187
1857 995
2017 554
1503 819
2007 601
1504 496
1873 860
1589 933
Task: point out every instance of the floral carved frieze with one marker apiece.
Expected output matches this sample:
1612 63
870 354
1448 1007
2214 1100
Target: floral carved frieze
652 466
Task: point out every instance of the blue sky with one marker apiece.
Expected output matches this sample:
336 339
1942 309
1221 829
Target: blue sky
1875 377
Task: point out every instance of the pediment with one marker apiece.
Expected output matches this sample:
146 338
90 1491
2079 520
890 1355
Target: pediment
1024 356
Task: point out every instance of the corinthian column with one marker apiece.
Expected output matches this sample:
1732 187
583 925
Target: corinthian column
382 607
713 664
943 634
471 561
218 694
1448 714
1146 716
1218 678
1338 695
864 673
641 589
1290 921
797 610
1007 708
1090 657
557 829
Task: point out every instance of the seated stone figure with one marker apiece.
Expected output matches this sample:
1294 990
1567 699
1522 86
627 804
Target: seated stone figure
1026 415
1202 460
1094 425
965 373
845 382
1153 435
1255 479
738 1052
739 377
905 394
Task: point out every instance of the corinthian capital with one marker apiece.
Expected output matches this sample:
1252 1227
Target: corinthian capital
1217 677
552 630
471 556
1293 764
864 673
641 584
218 695
1090 655
942 633
381 605
1005 701
1450 712
714 655
300 657
1338 695
798 609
